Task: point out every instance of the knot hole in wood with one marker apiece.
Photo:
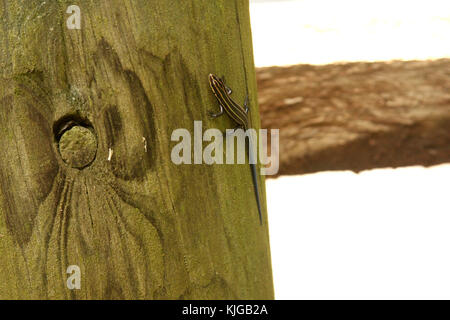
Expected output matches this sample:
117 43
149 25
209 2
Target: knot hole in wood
76 140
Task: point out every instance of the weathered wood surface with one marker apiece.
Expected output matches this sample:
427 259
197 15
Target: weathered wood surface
358 116
138 225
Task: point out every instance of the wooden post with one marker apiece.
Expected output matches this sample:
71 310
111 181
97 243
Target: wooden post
90 93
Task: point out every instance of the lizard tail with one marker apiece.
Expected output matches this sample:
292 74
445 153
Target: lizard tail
252 161
256 187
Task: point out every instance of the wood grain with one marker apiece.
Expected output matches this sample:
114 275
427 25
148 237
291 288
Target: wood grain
138 226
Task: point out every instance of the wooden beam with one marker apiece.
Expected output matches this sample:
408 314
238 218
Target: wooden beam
358 116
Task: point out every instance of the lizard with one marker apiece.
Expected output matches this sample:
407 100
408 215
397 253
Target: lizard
239 115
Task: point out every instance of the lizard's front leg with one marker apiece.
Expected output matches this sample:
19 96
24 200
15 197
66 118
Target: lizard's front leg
215 115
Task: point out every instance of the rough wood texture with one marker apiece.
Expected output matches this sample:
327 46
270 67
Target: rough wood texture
138 225
358 116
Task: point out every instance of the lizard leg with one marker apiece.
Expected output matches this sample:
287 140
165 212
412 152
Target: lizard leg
215 115
229 91
246 104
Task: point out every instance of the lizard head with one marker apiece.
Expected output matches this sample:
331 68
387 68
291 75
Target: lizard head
216 82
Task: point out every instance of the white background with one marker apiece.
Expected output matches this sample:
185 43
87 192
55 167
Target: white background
324 31
381 234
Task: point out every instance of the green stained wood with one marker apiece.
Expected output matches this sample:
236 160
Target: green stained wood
137 225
